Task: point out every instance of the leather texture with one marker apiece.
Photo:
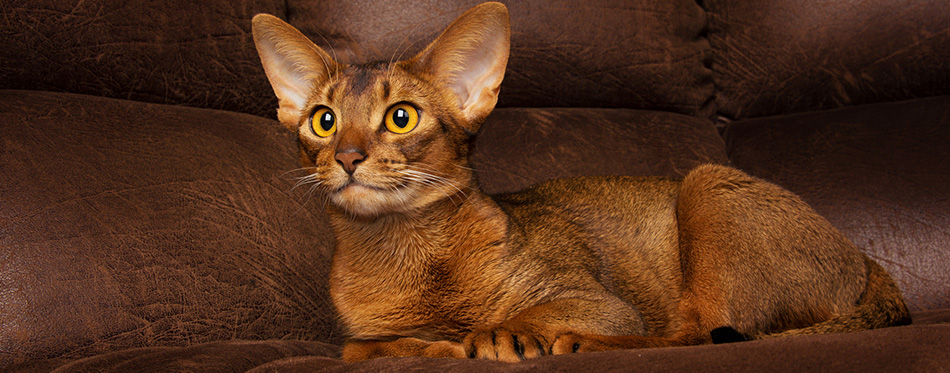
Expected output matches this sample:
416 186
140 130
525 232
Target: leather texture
777 57
910 348
197 53
136 224
201 53
607 53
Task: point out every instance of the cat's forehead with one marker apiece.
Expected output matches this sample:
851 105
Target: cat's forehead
357 79
374 79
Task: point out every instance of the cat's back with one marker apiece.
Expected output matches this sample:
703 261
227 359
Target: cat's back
616 216
605 212
594 198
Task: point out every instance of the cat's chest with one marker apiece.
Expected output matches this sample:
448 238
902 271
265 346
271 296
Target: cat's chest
431 302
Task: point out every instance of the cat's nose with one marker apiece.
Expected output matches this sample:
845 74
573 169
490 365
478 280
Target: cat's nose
350 159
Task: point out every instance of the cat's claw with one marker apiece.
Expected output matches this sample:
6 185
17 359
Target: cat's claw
503 343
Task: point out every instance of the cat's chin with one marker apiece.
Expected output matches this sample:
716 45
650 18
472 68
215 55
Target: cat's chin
363 200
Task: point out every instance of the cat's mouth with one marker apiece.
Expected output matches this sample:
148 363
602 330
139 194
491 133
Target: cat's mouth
362 198
355 185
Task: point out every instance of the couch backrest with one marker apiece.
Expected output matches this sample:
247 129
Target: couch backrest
605 53
747 59
779 57
197 53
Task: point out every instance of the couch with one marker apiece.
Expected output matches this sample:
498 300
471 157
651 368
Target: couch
149 220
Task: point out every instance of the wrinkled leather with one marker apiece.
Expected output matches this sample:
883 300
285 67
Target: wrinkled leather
648 55
226 356
128 224
197 53
879 173
910 348
777 57
608 53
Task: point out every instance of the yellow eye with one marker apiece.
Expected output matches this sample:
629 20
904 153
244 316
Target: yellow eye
323 122
402 118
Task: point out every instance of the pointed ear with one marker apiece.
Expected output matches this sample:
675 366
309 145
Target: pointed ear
470 58
294 65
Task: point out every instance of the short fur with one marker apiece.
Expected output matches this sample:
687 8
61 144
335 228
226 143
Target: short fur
428 265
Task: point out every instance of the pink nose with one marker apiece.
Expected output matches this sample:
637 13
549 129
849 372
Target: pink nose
349 160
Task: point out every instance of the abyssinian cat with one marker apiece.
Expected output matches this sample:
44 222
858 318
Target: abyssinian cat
428 265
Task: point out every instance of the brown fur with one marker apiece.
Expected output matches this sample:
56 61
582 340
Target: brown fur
428 265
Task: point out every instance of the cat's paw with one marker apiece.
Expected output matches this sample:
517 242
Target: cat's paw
446 349
506 343
571 343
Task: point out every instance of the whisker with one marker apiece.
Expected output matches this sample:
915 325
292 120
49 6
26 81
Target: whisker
308 170
395 58
311 180
450 188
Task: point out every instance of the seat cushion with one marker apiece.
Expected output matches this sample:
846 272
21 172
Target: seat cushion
918 347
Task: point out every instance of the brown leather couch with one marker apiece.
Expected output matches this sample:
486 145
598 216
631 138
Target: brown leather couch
148 219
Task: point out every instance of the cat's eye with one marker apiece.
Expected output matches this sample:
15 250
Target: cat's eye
402 118
323 122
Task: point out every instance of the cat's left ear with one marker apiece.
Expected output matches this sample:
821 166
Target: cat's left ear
294 65
470 58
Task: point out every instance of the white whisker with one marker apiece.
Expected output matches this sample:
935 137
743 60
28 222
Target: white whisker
439 181
311 180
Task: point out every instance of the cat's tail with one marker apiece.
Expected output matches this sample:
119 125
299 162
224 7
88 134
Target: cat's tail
881 305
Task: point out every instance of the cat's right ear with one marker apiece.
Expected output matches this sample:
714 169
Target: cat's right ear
469 58
294 65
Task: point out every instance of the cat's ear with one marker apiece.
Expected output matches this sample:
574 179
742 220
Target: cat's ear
469 58
294 65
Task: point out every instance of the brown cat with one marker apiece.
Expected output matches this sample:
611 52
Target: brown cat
426 264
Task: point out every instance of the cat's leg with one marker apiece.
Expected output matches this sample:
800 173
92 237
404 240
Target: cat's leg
532 332
695 321
357 350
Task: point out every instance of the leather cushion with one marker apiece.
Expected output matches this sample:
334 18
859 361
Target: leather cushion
198 53
651 55
919 347
126 224
774 57
603 53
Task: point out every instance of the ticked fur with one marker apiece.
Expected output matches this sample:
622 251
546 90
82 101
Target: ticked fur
428 265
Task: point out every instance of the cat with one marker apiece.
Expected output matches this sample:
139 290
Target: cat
426 264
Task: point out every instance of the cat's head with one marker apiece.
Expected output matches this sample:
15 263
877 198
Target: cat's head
388 137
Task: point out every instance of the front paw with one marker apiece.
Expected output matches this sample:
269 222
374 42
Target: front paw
505 343
571 343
